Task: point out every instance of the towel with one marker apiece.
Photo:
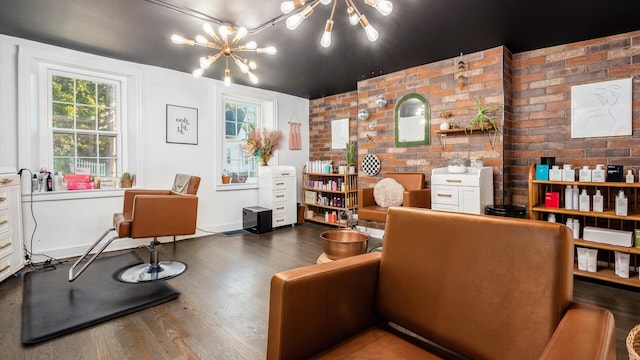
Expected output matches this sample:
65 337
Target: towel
181 183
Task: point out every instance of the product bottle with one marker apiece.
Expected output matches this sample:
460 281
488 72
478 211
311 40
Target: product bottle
57 179
575 226
629 176
555 174
552 218
599 174
34 183
568 198
621 204
575 197
568 174
585 174
584 201
598 202
49 182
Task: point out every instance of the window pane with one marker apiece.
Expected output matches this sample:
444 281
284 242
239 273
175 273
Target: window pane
106 95
108 167
230 112
107 146
62 89
86 118
230 129
87 145
62 165
62 116
63 144
85 92
106 119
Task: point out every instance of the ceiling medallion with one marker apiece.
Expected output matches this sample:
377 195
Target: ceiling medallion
385 8
226 48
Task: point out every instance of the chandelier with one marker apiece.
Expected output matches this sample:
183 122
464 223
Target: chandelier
228 48
383 6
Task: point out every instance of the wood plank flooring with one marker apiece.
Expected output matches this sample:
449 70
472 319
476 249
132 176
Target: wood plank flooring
222 311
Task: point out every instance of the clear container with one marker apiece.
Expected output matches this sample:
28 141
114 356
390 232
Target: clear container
458 164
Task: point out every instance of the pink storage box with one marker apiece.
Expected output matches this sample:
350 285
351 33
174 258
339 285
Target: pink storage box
79 185
77 178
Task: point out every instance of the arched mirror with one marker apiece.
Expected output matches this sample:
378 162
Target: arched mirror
412 121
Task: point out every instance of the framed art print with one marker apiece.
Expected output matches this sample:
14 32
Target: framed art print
182 125
601 109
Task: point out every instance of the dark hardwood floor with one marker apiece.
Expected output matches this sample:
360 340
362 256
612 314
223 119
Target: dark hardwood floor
222 311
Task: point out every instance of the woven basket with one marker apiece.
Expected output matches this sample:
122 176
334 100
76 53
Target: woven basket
633 343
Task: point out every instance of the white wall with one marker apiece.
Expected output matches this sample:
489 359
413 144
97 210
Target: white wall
68 224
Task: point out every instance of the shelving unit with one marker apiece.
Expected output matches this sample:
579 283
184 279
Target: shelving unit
343 196
444 134
606 219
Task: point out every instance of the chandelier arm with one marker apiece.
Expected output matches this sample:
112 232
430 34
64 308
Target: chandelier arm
333 9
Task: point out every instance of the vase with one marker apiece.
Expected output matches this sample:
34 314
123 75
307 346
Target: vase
264 159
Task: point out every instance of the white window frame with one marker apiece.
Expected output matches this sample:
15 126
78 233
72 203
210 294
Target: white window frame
121 93
267 118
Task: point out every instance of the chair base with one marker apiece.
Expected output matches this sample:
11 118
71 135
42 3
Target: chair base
145 272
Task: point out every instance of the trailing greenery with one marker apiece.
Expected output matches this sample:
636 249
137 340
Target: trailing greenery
483 117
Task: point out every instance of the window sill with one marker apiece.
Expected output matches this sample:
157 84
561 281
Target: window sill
236 186
72 195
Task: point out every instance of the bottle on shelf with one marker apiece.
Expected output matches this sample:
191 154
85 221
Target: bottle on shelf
598 202
555 174
630 177
584 201
599 174
575 201
568 198
568 174
584 175
621 204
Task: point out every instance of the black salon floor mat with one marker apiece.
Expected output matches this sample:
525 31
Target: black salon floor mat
52 306
235 232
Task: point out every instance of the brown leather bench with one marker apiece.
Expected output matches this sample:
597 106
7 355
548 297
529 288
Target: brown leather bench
415 195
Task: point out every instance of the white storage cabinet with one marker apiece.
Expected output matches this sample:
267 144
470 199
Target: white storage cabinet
11 259
277 191
469 192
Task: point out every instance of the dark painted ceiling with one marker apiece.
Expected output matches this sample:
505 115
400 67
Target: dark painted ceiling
417 32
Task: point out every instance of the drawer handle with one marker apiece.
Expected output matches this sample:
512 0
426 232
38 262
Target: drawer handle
5 245
279 183
454 180
5 181
279 196
4 268
2 222
285 174
280 220
280 208
445 195
2 199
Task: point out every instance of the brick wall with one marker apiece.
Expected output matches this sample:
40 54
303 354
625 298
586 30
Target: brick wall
535 88
542 81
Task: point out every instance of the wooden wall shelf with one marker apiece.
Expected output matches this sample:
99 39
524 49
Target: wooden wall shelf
444 134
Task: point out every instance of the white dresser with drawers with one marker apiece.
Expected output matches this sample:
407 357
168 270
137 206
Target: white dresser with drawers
11 258
469 192
277 191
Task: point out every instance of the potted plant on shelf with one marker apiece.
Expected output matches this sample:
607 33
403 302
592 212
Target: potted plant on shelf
225 177
483 117
350 152
448 123
126 181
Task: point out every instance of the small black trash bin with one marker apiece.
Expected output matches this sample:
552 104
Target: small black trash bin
513 211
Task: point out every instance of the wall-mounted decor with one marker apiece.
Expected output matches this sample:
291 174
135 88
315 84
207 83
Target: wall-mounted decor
601 109
182 125
295 143
371 165
339 133
412 121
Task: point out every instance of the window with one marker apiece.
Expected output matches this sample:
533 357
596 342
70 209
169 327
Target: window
238 114
85 123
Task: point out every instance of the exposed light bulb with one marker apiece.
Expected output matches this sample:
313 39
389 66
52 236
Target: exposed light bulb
243 67
197 73
287 7
325 41
295 20
325 2
254 79
370 31
177 39
206 27
223 30
205 62
251 45
227 78
353 17
269 50
242 32
201 40
252 65
384 7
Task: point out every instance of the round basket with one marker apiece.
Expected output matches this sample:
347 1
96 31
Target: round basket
633 343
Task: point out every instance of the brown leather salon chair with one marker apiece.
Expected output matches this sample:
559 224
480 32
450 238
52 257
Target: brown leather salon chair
151 214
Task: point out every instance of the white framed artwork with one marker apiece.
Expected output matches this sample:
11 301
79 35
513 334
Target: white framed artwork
601 109
182 125
339 133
